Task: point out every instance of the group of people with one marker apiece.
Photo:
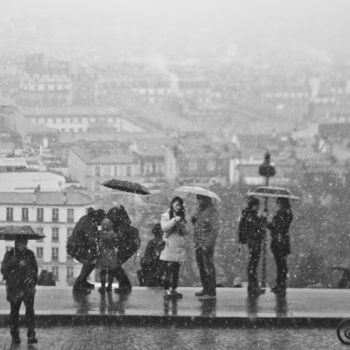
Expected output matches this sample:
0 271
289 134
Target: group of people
107 240
252 231
104 241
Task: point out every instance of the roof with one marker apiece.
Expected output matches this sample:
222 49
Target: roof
149 147
46 198
102 155
70 111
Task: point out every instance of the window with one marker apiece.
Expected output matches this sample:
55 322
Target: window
24 214
41 231
97 171
192 166
211 165
40 214
39 252
70 215
54 215
97 186
55 234
69 232
9 214
55 272
54 253
70 272
116 172
128 171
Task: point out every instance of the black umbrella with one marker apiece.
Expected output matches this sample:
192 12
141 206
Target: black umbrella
11 233
126 186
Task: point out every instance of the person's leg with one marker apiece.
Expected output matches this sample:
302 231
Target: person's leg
13 319
103 274
122 278
209 269
282 271
252 269
30 318
167 274
175 275
111 274
200 264
86 269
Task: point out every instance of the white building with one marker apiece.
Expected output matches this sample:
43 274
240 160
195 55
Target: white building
55 215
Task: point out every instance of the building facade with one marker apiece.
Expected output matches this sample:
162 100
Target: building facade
54 214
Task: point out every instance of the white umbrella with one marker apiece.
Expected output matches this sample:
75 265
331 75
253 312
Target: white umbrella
272 192
198 190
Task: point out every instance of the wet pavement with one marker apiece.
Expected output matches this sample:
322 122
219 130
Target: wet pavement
96 338
324 306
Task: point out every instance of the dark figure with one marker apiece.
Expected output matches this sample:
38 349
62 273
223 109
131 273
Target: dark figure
82 245
46 278
280 243
150 274
107 260
251 227
20 271
206 228
128 242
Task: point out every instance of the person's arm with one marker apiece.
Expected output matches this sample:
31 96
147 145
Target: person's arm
8 264
167 224
34 268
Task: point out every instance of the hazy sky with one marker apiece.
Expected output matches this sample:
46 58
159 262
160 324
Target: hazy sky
158 22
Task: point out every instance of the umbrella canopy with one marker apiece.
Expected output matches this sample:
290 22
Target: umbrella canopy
198 190
272 192
12 232
126 186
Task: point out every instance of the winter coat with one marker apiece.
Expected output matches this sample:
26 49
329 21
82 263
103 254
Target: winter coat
280 231
254 227
107 253
128 242
82 245
153 250
20 271
206 227
174 249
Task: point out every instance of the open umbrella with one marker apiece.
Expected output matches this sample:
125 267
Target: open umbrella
126 186
198 190
10 233
272 192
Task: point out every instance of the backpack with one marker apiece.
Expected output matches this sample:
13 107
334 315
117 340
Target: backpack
243 230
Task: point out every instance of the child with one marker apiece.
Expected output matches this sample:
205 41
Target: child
20 271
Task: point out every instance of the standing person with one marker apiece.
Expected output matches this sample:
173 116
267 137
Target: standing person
20 271
206 228
173 224
82 245
251 231
127 244
280 242
107 260
151 267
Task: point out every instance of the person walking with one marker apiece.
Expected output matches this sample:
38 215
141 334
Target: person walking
107 260
127 244
206 228
280 242
82 245
173 225
20 271
251 231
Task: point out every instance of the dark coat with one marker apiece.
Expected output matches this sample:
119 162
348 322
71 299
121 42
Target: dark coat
107 256
20 272
128 242
280 231
255 228
82 245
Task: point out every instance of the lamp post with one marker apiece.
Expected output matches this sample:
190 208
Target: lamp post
267 170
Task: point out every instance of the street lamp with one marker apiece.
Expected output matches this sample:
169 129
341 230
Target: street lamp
267 170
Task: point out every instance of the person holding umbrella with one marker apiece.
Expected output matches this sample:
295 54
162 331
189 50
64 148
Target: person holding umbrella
280 242
251 232
20 271
206 228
